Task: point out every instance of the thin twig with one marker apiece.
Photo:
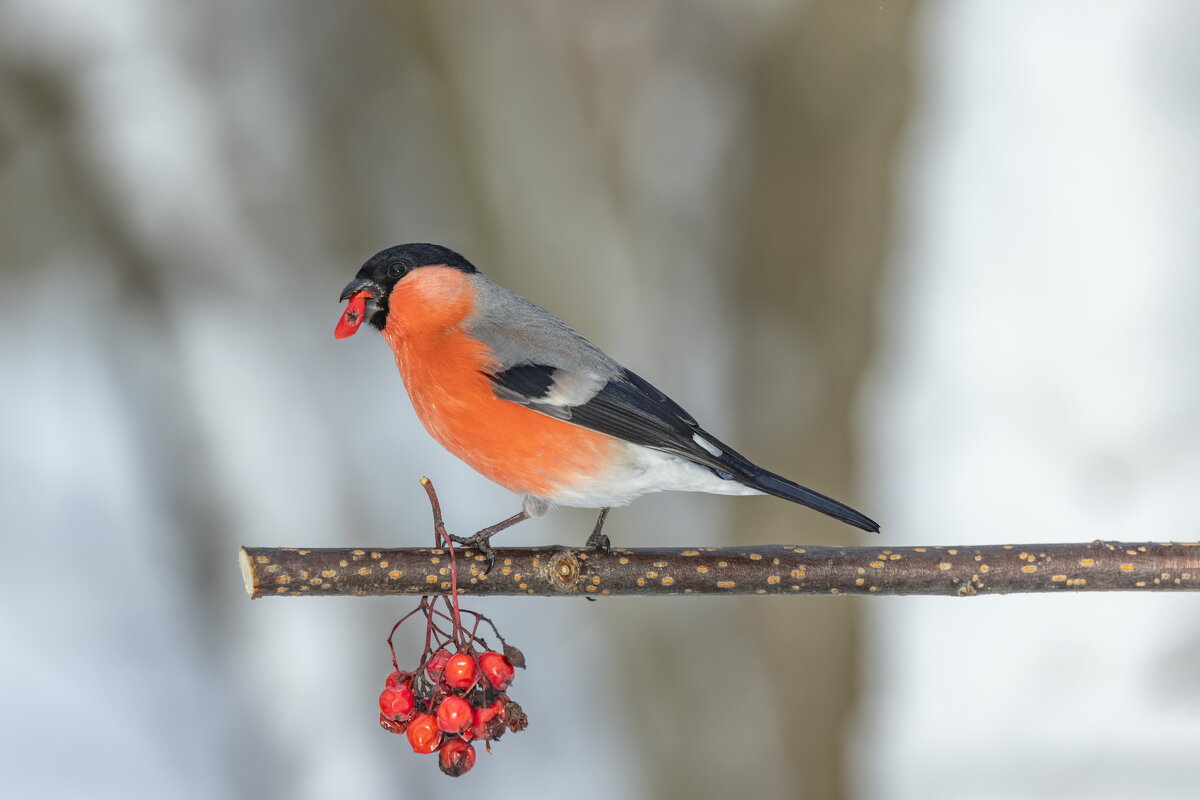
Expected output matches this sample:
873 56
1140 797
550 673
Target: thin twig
440 537
769 570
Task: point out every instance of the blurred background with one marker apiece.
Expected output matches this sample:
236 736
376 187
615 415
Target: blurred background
936 259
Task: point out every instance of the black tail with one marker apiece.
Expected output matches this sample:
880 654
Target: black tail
758 478
782 487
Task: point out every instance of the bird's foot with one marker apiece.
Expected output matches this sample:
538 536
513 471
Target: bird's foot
598 542
481 541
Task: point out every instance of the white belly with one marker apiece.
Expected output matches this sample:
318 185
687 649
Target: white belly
642 471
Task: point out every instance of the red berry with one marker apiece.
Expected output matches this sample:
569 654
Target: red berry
396 702
436 666
391 725
453 714
399 679
460 671
423 734
352 317
497 669
456 757
488 723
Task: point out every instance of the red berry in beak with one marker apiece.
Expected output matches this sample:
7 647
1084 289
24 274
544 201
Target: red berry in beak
352 317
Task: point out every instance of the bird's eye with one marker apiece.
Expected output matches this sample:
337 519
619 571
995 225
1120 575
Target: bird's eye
396 271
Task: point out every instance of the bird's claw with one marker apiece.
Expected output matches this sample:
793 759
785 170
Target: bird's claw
480 541
598 542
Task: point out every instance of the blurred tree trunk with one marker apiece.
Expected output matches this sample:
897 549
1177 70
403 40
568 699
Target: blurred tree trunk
214 165
830 93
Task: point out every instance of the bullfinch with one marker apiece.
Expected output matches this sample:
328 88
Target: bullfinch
533 405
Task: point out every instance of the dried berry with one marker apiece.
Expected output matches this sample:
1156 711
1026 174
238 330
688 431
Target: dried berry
515 716
514 656
391 725
436 666
497 669
456 757
488 722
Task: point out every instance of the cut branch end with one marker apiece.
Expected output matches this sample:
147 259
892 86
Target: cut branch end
247 571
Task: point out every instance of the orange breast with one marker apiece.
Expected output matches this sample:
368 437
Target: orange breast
443 370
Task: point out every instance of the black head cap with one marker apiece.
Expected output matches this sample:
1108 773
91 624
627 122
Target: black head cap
383 270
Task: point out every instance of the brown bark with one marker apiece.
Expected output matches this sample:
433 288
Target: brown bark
967 571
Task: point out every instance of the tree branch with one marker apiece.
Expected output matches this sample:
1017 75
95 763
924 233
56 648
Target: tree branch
773 569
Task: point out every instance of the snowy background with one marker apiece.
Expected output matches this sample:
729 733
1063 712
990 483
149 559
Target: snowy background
981 214
1041 380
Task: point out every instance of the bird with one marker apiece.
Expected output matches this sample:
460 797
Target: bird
534 406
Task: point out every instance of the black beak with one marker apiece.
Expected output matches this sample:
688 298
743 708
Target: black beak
360 285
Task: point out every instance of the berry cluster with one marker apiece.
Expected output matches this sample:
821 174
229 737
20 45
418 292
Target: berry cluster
449 701
458 693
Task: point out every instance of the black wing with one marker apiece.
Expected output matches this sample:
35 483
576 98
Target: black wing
626 407
630 408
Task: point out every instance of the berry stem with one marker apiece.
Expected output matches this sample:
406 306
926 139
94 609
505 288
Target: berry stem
439 533
395 627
